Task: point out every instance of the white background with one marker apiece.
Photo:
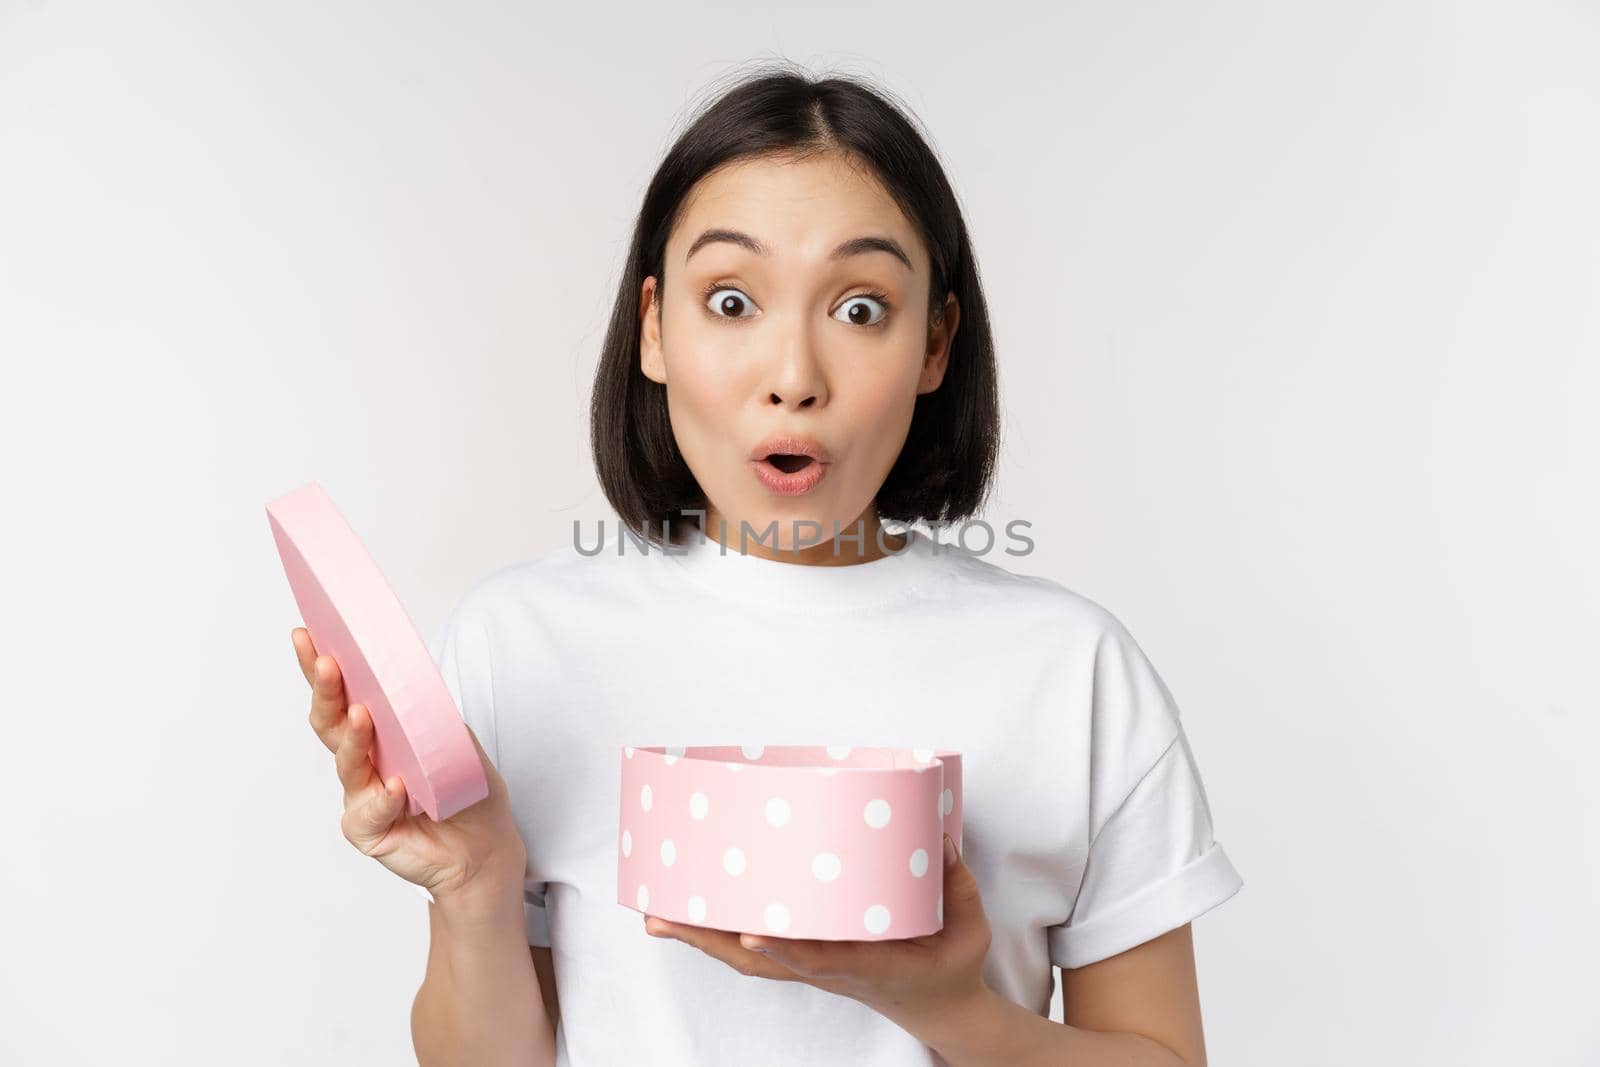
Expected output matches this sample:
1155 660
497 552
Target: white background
1297 312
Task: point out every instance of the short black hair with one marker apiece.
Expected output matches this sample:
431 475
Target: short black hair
946 466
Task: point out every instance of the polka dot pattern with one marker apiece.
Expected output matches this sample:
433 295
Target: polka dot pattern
795 841
777 812
877 813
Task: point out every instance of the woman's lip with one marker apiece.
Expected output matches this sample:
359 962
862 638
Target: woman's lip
786 484
791 444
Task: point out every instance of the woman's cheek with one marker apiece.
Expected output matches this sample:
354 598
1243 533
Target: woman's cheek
717 372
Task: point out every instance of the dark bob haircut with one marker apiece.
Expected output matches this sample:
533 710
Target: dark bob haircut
945 467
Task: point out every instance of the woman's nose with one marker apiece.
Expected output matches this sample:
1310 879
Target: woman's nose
794 376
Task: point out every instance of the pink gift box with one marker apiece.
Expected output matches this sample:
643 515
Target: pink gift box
354 616
828 843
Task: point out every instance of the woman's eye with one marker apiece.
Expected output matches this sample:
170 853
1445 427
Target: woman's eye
727 306
727 302
859 312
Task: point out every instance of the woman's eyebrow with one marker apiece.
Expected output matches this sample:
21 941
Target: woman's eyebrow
853 247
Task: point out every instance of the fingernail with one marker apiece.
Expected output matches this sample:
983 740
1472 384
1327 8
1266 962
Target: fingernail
949 851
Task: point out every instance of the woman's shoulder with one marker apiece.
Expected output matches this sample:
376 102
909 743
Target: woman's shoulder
1001 580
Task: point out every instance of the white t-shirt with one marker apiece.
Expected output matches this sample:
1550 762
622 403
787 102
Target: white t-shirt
1085 821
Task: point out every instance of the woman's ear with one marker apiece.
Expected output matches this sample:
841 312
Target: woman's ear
650 361
941 334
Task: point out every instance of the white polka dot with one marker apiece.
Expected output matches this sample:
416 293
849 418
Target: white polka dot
919 862
922 755
877 919
735 766
669 852
733 861
752 751
628 751
947 802
826 866
697 909
919 770
644 798
839 751
627 843
643 897
778 811
670 759
877 813
827 770
777 917
699 805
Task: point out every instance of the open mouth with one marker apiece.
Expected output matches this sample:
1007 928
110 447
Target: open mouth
789 463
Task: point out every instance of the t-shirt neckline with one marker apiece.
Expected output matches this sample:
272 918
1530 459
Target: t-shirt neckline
724 570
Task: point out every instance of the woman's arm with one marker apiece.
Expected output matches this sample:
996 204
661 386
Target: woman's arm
1139 1008
480 1001
544 965
1151 990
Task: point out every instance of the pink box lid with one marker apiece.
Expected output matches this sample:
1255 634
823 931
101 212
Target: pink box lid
353 615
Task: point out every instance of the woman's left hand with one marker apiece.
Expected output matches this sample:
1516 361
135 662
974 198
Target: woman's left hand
912 980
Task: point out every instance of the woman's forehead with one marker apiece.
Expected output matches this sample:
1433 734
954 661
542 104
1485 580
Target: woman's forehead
801 209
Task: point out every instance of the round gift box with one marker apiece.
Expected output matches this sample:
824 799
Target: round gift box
829 843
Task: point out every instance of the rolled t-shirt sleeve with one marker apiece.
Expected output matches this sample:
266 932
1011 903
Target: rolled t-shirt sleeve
462 650
1153 862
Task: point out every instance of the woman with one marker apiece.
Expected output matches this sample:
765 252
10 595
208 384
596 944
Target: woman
799 353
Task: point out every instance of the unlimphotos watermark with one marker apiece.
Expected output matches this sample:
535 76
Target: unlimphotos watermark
973 536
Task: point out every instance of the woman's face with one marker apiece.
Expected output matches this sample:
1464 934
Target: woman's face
790 337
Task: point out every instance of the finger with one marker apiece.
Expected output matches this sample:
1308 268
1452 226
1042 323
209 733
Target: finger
961 895
822 959
366 821
352 758
723 945
482 755
327 700
304 651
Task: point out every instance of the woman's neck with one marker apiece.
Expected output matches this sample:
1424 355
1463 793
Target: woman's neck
850 549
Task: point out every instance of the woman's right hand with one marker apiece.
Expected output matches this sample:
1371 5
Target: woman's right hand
477 846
